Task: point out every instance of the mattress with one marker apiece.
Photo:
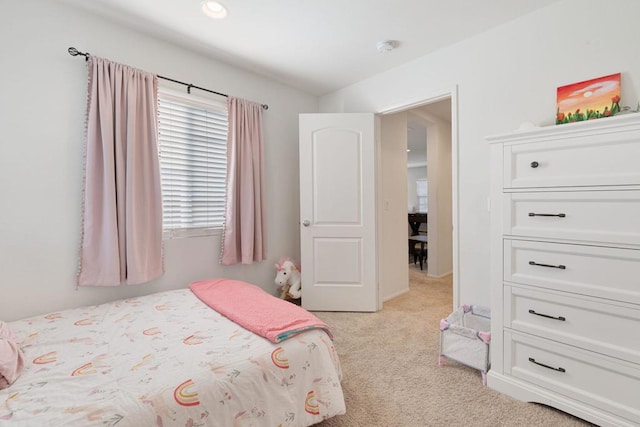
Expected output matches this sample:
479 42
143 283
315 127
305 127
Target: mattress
167 359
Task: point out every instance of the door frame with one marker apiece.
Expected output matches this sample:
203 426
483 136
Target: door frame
408 104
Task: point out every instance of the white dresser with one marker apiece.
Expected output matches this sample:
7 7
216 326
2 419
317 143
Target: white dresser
565 268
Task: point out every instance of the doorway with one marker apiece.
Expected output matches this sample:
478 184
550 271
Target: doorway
437 119
429 135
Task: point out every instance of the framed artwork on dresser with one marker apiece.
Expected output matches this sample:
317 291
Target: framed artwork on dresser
588 100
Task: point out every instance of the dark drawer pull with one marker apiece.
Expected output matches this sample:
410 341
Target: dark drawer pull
532 360
561 267
535 164
561 318
560 215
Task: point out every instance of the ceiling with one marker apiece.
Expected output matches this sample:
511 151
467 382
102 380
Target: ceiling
317 46
417 130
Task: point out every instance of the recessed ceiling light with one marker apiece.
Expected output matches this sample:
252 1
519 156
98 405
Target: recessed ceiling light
214 9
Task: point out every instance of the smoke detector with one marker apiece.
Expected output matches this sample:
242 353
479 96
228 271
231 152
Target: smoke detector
386 46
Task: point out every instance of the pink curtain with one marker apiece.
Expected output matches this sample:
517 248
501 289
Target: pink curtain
122 219
244 234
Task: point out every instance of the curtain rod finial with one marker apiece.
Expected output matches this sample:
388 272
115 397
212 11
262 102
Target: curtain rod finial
75 52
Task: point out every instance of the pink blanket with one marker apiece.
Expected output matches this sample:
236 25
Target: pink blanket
254 309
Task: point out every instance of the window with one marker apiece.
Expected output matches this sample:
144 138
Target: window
193 163
422 193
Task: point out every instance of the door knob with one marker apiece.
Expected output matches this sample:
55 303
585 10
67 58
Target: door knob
306 223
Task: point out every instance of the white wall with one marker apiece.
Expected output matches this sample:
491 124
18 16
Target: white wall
506 76
439 223
438 175
42 105
393 247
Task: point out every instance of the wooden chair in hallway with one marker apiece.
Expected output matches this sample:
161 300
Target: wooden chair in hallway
421 252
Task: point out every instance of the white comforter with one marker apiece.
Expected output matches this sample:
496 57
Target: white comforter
167 359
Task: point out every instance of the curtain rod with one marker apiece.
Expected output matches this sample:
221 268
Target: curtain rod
75 52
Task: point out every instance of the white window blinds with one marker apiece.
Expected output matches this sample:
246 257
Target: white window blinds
193 162
422 193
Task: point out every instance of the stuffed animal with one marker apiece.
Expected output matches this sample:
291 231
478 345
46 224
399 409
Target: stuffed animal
288 278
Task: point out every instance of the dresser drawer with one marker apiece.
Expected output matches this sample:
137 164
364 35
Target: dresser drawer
603 272
578 321
598 160
608 217
596 380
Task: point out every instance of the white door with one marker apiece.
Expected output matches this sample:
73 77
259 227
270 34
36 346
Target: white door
338 212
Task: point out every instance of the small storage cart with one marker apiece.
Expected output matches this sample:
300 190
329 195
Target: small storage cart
465 336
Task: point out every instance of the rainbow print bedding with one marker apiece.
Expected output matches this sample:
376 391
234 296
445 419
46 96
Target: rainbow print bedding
167 359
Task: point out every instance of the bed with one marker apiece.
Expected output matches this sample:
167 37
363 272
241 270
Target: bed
168 359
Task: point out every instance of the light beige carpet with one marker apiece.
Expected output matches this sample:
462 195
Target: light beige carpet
391 374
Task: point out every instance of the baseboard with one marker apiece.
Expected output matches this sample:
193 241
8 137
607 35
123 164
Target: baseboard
395 294
527 392
440 276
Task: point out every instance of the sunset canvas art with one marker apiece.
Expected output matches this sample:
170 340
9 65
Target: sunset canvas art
588 100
